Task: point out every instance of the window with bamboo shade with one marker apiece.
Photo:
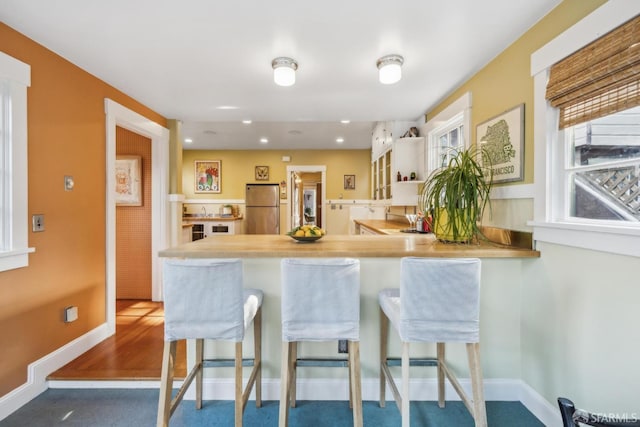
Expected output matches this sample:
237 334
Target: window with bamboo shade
600 79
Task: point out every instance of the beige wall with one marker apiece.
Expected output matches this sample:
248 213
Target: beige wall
66 136
506 81
238 168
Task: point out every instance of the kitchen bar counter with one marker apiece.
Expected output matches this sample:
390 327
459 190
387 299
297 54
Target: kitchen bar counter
358 246
502 271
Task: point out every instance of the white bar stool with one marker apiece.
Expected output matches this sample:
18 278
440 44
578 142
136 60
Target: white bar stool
320 302
438 301
205 299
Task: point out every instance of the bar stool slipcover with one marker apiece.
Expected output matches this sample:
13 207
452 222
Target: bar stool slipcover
205 299
320 302
438 301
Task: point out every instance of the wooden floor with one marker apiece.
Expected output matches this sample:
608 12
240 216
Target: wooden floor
133 353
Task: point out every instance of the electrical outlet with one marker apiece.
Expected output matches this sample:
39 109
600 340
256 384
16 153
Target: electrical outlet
37 223
343 346
70 314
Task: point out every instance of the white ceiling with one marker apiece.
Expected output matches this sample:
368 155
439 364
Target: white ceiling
186 59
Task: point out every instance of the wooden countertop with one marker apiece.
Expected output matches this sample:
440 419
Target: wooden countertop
382 226
357 246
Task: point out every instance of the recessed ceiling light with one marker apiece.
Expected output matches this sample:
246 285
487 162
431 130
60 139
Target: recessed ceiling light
209 132
340 140
263 140
345 122
294 132
188 140
246 122
227 107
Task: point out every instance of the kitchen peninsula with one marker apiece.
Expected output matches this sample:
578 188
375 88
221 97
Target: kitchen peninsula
502 271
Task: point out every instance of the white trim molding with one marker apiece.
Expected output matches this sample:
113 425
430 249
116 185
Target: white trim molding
14 189
38 371
118 115
424 389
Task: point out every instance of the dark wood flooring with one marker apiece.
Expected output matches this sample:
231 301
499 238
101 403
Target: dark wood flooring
133 353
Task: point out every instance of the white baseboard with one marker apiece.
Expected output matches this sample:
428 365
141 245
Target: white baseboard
338 389
539 406
421 389
320 389
38 371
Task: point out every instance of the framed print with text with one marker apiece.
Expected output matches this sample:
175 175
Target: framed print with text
502 141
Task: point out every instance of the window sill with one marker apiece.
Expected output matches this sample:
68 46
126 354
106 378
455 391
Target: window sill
18 258
621 240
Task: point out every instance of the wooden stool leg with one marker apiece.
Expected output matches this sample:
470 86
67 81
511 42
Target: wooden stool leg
475 370
384 333
285 381
349 367
239 404
199 375
440 353
356 381
166 383
257 354
293 372
405 385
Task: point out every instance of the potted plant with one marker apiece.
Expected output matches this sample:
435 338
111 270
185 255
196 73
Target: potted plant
456 196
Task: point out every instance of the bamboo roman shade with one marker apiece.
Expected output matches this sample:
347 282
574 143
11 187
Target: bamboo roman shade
600 79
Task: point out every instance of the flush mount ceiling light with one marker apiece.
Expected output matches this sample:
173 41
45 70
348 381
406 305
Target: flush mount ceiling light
284 71
390 69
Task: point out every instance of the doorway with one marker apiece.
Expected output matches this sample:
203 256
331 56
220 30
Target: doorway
307 194
120 116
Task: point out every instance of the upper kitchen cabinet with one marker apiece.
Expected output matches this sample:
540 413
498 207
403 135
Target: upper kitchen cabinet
384 133
394 159
407 163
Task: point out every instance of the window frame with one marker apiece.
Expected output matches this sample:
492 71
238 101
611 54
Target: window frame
455 115
434 146
550 220
14 219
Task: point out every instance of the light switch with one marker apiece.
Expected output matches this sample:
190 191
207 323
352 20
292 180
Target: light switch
68 183
37 223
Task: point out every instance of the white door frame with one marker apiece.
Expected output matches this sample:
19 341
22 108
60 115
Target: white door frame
118 115
320 168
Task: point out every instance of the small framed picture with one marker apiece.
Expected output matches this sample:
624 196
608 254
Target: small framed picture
349 182
207 176
262 173
128 181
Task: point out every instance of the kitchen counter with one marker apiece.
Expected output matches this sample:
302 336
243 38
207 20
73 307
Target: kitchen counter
199 218
359 246
382 226
503 268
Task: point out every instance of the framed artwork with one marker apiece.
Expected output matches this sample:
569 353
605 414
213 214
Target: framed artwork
207 175
502 141
262 173
349 182
128 181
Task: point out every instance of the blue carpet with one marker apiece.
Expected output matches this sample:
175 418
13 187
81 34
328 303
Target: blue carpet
137 407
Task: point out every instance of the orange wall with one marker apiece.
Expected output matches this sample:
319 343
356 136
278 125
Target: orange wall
133 225
66 136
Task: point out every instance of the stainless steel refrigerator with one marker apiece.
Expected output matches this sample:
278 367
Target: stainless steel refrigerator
262 209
